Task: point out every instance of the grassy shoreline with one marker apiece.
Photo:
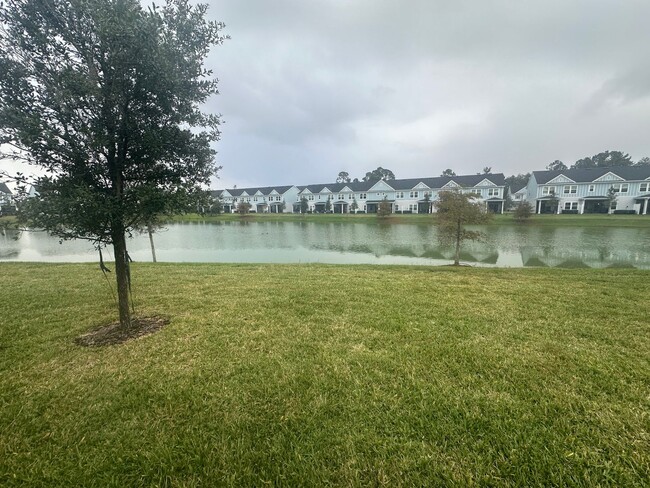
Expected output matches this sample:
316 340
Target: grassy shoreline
505 219
327 375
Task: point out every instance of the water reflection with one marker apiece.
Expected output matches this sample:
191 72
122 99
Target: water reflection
294 242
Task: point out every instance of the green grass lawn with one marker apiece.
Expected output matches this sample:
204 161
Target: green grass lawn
589 220
328 376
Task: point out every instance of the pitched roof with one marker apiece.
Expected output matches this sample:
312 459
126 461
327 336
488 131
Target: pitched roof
360 186
4 188
587 175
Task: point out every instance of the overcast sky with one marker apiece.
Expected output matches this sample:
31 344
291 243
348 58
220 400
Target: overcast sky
311 88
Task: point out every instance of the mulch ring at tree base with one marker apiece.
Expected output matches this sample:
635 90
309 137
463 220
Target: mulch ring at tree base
114 334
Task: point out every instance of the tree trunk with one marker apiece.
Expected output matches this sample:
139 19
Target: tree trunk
457 256
122 277
153 249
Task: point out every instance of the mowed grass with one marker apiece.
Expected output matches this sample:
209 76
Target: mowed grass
586 220
327 376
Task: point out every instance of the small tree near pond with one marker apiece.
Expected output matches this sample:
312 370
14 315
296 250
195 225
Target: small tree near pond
355 206
304 205
454 211
328 205
243 208
384 209
523 211
611 198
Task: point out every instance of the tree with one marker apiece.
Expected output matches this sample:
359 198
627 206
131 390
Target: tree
487 170
427 201
105 97
556 165
604 160
243 208
384 209
610 197
448 172
356 180
355 205
516 182
343 177
328 205
523 211
304 205
554 201
643 162
379 174
454 211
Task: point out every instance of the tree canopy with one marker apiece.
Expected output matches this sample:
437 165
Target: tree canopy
556 165
604 159
455 210
448 172
343 177
106 97
379 174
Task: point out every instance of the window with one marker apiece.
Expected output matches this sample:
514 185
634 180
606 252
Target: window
340 196
494 192
413 207
548 190
644 187
350 196
414 194
570 189
620 187
362 196
399 194
570 205
592 188
310 197
613 205
396 208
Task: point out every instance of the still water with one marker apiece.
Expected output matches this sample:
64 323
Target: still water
355 243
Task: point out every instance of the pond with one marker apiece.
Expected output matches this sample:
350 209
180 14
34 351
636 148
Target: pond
355 243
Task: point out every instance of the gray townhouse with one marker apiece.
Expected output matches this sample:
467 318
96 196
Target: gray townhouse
586 190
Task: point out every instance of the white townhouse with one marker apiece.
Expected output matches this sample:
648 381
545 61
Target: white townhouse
519 195
586 190
414 195
270 199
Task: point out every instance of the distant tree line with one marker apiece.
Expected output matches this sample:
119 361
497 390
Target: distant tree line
601 160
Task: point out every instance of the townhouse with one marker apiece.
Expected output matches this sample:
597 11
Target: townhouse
414 195
624 189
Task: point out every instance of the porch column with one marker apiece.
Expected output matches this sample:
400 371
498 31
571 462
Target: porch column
502 205
645 210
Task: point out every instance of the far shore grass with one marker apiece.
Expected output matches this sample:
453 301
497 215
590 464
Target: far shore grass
315 375
589 220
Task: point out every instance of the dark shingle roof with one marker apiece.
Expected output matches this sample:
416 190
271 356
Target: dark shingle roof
587 175
402 184
5 189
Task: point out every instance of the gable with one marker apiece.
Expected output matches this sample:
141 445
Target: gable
451 184
245 194
560 179
305 191
485 182
325 190
421 186
274 193
345 188
609 176
225 193
259 193
381 185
